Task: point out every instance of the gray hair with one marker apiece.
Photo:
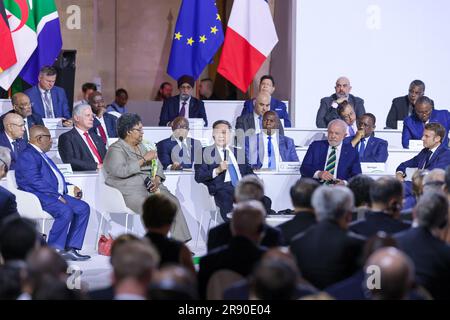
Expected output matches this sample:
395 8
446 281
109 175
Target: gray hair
338 122
5 156
78 109
332 202
432 210
434 180
249 187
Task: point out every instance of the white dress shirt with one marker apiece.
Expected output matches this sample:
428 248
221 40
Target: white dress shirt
265 162
25 120
56 173
338 155
231 158
257 125
43 101
81 132
10 141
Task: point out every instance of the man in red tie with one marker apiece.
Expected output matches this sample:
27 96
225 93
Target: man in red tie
80 147
105 124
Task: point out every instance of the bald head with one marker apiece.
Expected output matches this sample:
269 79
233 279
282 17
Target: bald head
396 272
337 130
343 87
40 137
262 103
21 104
14 125
248 220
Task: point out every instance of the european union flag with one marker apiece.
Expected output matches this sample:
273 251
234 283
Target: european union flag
198 35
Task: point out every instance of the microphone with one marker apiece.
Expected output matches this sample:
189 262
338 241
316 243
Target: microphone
224 154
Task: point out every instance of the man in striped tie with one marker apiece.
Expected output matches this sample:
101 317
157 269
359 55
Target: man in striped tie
332 161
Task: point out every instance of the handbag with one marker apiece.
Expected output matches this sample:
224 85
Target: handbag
104 245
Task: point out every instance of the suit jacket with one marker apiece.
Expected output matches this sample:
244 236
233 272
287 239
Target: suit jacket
316 157
439 159
326 112
171 108
31 120
168 150
255 146
240 255
75 151
298 224
431 257
376 150
21 145
59 100
110 123
247 122
398 112
204 171
34 175
8 205
275 105
413 127
378 221
326 253
221 235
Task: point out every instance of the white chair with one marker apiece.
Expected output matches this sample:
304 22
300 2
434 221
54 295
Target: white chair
28 204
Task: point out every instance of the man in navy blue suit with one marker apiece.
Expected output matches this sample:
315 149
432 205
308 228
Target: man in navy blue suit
12 136
22 106
331 161
182 105
370 148
179 152
267 85
49 101
424 113
268 148
119 105
38 174
105 124
222 167
8 205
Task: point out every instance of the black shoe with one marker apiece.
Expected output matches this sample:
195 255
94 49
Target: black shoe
69 255
79 256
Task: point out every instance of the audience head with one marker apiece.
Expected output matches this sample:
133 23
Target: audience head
432 211
367 123
337 130
434 180
360 186
5 161
14 125
386 195
347 113
21 104
447 179
97 103
47 77
159 213
185 85
380 240
433 135
206 87
120 240
121 97
333 203
18 237
248 220
173 282
180 128
164 92
222 133
250 187
423 108
10 282
88 88
301 193
417 182
83 117
271 122
129 127
41 138
416 90
267 84
342 87
262 103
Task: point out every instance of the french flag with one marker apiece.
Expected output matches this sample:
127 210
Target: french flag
249 39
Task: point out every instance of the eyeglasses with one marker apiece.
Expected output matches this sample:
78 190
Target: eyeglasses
138 129
18 125
23 105
186 87
44 135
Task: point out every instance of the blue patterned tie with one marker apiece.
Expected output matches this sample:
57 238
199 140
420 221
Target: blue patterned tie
260 122
351 131
53 165
231 169
362 148
271 154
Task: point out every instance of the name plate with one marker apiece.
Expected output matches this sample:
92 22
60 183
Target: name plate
415 145
400 125
289 167
65 168
196 123
373 167
52 123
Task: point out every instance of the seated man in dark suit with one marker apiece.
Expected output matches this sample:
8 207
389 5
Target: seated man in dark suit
332 160
267 149
431 255
267 85
105 124
179 152
252 123
249 187
49 101
243 251
222 168
326 253
402 107
12 136
79 147
347 114
328 105
424 113
370 148
304 216
8 205
182 105
38 174
22 106
386 196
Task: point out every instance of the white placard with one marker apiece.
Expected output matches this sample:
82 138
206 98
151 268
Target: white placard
400 125
289 167
52 123
416 145
409 173
196 123
373 167
65 168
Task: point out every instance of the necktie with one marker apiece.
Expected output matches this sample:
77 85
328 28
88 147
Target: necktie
25 135
351 131
47 102
93 148
231 169
102 133
271 154
331 161
183 109
260 122
53 165
362 148
427 159
15 149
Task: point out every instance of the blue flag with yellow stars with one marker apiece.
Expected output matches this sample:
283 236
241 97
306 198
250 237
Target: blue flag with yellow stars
197 37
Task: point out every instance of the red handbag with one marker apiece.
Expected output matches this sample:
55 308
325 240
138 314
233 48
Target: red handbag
104 245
